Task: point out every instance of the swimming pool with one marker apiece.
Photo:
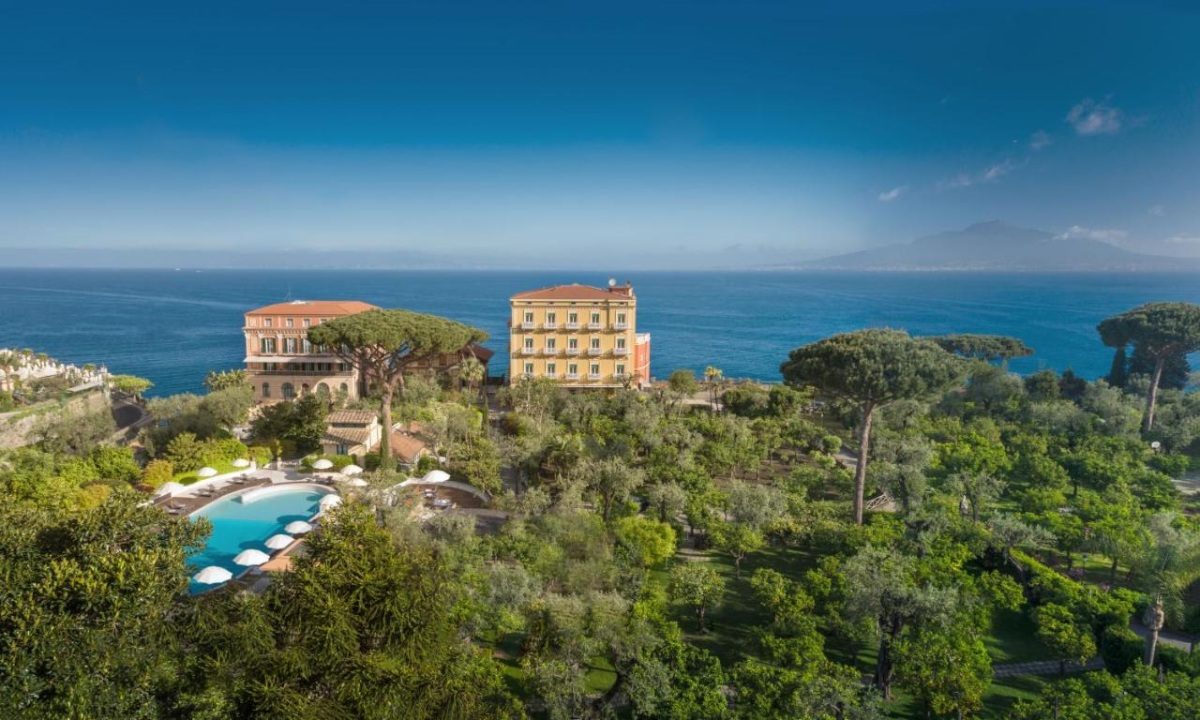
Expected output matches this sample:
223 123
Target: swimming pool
244 520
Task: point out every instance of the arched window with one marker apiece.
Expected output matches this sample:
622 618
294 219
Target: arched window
304 389
323 390
345 389
289 391
266 390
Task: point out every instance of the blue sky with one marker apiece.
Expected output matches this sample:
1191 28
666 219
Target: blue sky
685 134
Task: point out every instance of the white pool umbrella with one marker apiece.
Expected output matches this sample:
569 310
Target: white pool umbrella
212 575
251 557
351 470
206 472
168 488
330 501
279 542
322 464
297 527
357 482
241 462
436 476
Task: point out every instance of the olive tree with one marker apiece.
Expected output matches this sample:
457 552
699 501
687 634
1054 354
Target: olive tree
1159 331
382 344
872 368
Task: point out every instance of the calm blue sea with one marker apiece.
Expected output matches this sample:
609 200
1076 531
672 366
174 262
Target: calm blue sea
174 326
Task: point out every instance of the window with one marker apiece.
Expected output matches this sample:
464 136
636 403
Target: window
528 368
572 369
267 345
344 389
289 345
307 322
529 343
290 322
620 343
596 318
551 344
304 387
528 316
550 369
594 343
595 370
620 369
266 322
550 318
308 347
621 320
289 391
266 390
572 318
572 343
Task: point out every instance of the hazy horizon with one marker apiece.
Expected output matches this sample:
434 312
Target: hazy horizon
670 136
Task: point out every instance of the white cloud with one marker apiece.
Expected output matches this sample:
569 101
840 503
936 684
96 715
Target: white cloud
1184 240
988 174
1158 210
1089 117
893 194
1108 235
1039 140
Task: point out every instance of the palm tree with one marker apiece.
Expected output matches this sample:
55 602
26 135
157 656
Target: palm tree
715 377
1166 565
471 372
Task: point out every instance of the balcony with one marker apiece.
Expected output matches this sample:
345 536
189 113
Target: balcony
549 326
595 351
571 326
593 376
594 326
528 325
620 326
620 351
572 351
549 351
551 375
571 376
528 351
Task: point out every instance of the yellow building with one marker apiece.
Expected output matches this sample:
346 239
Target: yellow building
578 335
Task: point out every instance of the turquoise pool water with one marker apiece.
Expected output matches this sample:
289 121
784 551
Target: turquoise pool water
238 525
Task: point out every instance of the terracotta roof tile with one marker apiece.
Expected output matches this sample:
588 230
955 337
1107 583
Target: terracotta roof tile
313 308
407 447
572 292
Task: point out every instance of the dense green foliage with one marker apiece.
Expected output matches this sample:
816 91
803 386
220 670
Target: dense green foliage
655 554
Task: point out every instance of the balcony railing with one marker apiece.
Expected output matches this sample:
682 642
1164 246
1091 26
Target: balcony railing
571 376
595 351
528 351
594 326
306 373
620 351
593 376
528 325
549 351
571 326
551 375
550 325
620 326
572 351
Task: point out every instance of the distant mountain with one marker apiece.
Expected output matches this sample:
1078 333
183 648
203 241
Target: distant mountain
999 246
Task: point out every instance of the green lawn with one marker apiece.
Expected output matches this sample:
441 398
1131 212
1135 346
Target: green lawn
187 478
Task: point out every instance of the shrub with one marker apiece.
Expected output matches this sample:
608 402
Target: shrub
157 472
1121 648
426 463
115 463
259 454
226 450
185 452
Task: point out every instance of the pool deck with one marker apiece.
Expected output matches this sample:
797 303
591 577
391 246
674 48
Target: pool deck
203 492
